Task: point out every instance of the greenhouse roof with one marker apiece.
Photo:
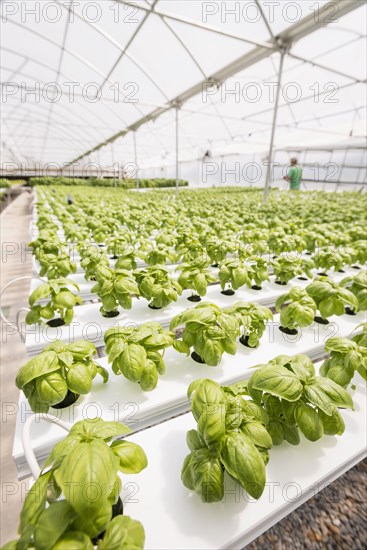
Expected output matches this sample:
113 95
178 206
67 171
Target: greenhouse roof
81 79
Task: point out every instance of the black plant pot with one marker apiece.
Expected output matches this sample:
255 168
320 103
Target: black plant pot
350 311
302 278
194 298
228 292
56 323
308 253
153 307
290 331
244 341
341 271
356 267
70 398
111 314
321 320
117 510
256 287
114 257
280 283
214 265
197 358
323 274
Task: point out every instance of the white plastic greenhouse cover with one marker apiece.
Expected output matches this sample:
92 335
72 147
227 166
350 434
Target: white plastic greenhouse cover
77 74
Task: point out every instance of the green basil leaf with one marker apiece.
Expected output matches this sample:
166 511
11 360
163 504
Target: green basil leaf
35 501
208 396
334 424
342 345
309 422
44 363
244 462
99 429
257 434
278 381
338 395
116 349
123 533
133 361
194 441
211 425
66 357
103 372
82 349
51 388
207 476
52 523
340 374
275 429
41 292
78 379
73 540
88 465
291 434
181 347
149 376
132 459
212 352
65 299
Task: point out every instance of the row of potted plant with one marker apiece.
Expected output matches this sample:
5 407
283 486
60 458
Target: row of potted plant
53 302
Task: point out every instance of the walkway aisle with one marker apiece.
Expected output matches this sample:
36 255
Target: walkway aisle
14 226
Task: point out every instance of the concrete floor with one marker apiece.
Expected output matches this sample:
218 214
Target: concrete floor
14 225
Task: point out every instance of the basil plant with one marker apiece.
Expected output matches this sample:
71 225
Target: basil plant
286 267
331 298
328 258
92 257
62 511
230 438
346 357
137 352
233 274
57 303
157 286
297 309
252 319
209 330
358 286
196 276
115 288
295 399
59 374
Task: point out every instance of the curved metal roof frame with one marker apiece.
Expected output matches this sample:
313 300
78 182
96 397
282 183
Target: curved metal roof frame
281 43
295 32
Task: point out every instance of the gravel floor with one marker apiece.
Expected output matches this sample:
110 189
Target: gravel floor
335 519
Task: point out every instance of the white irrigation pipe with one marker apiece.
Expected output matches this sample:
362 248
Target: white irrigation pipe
25 277
26 439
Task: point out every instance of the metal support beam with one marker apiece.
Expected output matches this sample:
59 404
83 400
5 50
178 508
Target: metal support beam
136 161
275 115
177 166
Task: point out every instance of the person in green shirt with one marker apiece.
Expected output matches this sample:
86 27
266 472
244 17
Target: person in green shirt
294 175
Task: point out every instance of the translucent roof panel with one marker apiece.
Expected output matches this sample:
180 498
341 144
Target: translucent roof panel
79 78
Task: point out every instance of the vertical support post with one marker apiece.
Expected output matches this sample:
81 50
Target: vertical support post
177 107
113 165
136 161
275 115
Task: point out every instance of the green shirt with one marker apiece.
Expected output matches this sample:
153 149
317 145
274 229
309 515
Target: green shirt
295 176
